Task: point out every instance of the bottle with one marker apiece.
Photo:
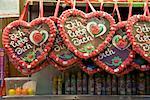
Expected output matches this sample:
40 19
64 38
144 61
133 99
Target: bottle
98 84
91 85
79 83
103 85
55 86
73 84
84 88
121 85
108 84
134 84
147 83
67 83
128 84
141 83
59 85
114 85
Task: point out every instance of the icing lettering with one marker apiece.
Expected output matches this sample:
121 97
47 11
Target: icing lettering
20 50
17 35
145 46
143 39
19 42
142 29
78 41
77 31
107 53
57 48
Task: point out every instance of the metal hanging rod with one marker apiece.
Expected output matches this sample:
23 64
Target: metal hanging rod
95 4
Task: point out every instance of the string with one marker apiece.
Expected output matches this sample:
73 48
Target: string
146 10
117 10
25 11
57 8
87 7
130 10
41 12
74 4
92 8
101 5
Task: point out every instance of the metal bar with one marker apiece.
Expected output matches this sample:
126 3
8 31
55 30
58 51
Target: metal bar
83 3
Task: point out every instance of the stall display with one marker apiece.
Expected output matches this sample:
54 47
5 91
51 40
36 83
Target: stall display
87 55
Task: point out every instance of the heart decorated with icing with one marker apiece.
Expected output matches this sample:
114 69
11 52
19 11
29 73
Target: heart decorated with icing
140 63
138 27
126 70
28 44
89 67
58 66
117 56
27 71
86 34
60 54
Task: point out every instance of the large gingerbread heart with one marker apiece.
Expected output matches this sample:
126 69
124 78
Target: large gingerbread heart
60 54
27 44
58 66
86 34
140 63
126 70
118 53
27 71
138 32
89 67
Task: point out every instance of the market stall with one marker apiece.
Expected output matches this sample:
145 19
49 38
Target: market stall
79 50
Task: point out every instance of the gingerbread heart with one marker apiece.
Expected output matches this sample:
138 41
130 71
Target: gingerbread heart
60 54
86 34
27 71
140 63
118 53
138 28
59 67
28 44
126 70
89 67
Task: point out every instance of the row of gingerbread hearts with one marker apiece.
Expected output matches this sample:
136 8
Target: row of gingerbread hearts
10 51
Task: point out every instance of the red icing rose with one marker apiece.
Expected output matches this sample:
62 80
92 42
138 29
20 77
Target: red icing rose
37 37
95 29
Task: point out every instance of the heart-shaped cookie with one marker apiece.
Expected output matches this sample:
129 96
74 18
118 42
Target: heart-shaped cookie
59 67
138 31
89 67
28 44
126 70
60 54
140 63
27 71
118 53
86 34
